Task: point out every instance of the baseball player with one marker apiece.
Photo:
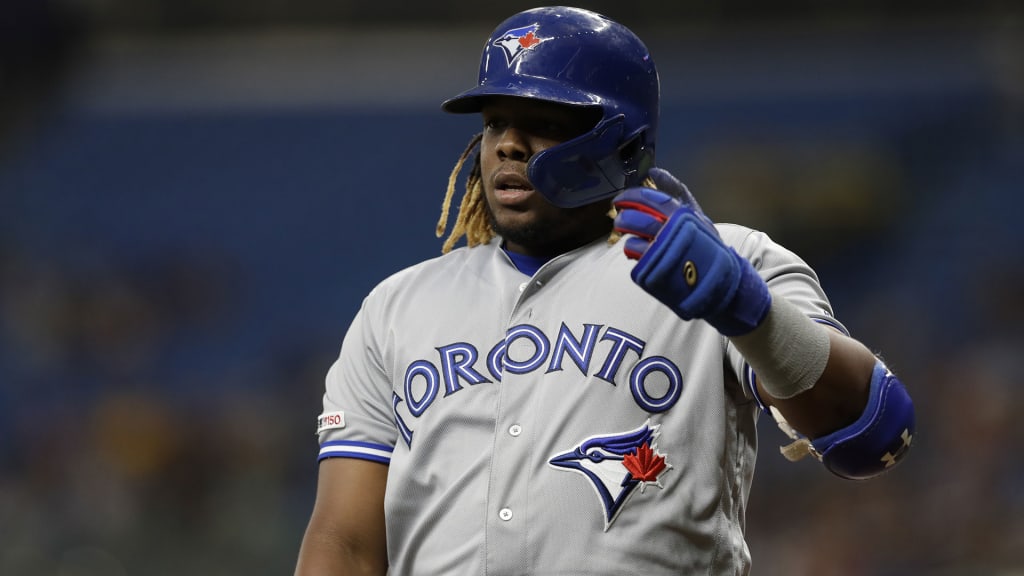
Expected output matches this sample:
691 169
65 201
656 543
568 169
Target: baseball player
575 390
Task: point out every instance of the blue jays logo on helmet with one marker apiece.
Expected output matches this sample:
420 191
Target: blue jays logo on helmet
518 40
616 465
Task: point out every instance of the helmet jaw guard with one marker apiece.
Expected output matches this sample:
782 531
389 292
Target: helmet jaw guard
576 57
591 167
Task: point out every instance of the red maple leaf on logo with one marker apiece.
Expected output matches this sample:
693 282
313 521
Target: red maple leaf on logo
529 40
644 465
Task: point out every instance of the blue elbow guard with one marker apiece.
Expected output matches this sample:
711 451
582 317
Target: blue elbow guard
879 439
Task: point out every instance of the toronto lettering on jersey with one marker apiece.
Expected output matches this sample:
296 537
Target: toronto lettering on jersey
462 363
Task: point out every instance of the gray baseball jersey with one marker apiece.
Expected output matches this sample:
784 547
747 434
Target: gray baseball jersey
562 424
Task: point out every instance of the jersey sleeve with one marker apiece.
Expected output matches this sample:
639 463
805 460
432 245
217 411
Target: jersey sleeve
357 419
788 276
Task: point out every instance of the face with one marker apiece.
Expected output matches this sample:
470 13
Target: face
514 130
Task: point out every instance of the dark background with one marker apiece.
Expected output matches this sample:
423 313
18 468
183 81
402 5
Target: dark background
196 195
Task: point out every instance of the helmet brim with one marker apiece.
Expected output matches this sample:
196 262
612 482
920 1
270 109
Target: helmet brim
471 100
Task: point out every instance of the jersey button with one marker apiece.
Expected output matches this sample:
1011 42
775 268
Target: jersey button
515 430
505 514
523 286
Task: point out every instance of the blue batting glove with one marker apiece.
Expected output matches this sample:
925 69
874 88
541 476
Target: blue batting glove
683 262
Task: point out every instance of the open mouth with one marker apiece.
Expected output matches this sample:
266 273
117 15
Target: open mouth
511 188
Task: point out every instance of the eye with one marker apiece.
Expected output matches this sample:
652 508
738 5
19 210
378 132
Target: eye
553 129
556 129
595 456
494 123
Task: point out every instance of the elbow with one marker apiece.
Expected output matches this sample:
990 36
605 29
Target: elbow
879 439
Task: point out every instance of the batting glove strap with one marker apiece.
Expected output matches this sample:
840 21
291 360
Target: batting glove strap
692 271
879 439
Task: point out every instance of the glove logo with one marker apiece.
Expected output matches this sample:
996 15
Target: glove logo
616 465
517 41
690 273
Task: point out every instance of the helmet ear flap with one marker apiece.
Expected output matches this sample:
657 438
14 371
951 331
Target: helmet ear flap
582 170
637 159
592 167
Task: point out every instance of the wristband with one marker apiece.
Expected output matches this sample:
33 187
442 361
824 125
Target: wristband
788 351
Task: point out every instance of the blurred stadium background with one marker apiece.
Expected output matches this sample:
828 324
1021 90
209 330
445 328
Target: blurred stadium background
196 194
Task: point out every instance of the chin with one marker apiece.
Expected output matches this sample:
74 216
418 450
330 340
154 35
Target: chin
523 228
525 233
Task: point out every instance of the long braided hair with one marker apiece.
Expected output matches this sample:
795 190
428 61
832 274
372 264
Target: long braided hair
472 221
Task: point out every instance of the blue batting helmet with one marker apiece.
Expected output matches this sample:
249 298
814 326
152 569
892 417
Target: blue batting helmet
580 58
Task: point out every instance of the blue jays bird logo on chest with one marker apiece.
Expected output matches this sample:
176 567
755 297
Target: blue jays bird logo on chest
616 465
517 41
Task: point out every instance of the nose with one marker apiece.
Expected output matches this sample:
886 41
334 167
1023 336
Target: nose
513 145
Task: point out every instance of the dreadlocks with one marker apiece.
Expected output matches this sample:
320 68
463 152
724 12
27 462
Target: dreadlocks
472 219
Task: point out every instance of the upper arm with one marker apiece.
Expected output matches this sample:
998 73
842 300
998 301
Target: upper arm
346 533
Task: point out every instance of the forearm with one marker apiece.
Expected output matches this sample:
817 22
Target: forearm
816 377
346 535
327 553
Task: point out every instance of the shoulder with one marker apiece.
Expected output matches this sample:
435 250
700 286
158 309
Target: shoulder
443 269
786 273
743 239
759 248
